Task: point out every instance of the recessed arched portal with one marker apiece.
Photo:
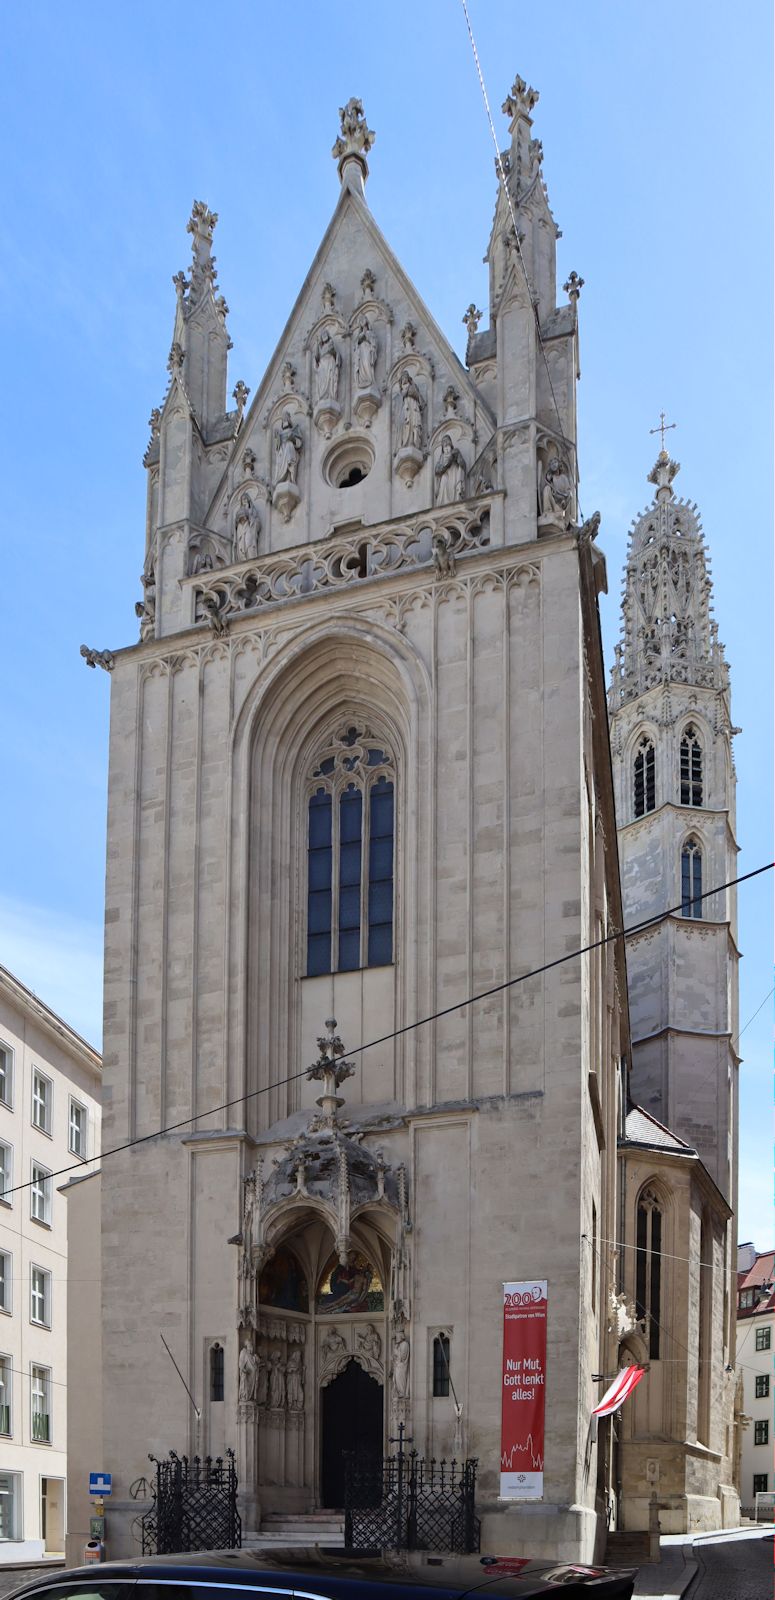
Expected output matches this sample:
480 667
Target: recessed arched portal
351 1421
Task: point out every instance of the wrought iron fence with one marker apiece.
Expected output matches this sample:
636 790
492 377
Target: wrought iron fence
194 1506
404 1502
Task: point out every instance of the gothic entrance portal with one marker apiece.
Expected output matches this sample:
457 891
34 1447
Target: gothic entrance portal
351 1419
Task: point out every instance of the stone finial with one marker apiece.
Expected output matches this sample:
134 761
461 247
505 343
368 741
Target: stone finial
520 100
472 317
288 375
408 336
355 139
368 284
201 223
175 359
573 287
154 422
331 1071
662 474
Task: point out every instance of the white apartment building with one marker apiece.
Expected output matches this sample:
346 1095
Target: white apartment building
755 1347
50 1083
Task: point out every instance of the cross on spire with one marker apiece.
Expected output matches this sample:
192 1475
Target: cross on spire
664 427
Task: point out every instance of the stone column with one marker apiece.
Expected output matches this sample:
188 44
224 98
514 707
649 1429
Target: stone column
247 1465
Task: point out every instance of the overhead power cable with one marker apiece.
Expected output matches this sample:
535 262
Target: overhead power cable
397 1033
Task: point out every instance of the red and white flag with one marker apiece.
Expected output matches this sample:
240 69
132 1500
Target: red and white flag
623 1385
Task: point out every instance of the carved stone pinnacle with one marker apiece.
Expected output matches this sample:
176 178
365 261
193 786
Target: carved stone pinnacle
574 286
355 139
521 99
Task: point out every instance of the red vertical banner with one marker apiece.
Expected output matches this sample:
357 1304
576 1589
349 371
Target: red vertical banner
523 1405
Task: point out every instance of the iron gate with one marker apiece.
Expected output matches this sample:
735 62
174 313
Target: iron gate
403 1502
195 1506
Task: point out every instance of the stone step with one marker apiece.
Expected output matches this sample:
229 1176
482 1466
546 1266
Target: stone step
628 1548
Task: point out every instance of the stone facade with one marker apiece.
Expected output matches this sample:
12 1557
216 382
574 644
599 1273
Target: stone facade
671 740
377 562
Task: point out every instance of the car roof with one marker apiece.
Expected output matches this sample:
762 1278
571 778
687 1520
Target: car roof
308 1569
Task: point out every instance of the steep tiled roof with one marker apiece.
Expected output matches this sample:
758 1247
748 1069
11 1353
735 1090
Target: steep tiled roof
641 1128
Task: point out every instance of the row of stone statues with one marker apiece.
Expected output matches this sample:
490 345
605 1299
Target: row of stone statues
271 1381
328 362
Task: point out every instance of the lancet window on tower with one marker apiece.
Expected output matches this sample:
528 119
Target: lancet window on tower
645 777
691 879
648 1267
351 824
691 768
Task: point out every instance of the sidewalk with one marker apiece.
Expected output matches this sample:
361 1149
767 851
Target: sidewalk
670 1579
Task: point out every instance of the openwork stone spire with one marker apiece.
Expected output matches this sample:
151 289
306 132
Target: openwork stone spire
668 631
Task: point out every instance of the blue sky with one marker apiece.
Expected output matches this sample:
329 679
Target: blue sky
656 126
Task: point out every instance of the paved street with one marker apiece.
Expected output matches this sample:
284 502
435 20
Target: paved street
733 1569
13 1577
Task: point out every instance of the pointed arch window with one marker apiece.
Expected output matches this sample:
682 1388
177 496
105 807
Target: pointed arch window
648 1267
691 879
350 854
691 767
645 777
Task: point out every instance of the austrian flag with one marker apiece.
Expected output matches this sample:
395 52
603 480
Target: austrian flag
623 1385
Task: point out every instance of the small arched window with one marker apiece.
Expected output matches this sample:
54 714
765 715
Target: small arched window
691 767
350 855
216 1372
645 777
440 1366
691 879
648 1268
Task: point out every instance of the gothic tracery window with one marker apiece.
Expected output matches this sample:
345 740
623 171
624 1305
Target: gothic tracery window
644 777
691 879
648 1267
691 767
351 822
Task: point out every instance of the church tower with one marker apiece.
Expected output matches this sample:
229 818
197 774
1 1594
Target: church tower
359 771
671 736
671 740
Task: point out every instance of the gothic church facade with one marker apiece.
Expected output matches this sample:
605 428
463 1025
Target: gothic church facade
360 771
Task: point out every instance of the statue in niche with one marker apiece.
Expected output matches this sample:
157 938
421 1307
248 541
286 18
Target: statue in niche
288 447
333 1345
450 474
400 1368
369 1344
276 1381
294 1378
327 364
248 1373
365 355
411 414
247 527
556 492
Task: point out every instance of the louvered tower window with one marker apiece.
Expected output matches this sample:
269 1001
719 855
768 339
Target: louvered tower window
691 768
645 777
691 879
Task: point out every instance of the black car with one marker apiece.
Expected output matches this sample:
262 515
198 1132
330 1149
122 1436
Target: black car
323 1575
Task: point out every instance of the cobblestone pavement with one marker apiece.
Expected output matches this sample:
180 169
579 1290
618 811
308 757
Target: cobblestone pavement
734 1569
13 1577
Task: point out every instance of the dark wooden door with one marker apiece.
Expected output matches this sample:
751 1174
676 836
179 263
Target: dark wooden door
352 1420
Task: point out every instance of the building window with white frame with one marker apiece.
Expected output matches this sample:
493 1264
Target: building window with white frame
6 1075
6 1391
6 1281
40 1394
761 1433
760 1481
40 1194
762 1390
6 1174
10 1505
763 1338
42 1101
350 855
77 1124
40 1296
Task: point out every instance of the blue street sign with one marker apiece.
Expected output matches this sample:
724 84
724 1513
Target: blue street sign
100 1484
